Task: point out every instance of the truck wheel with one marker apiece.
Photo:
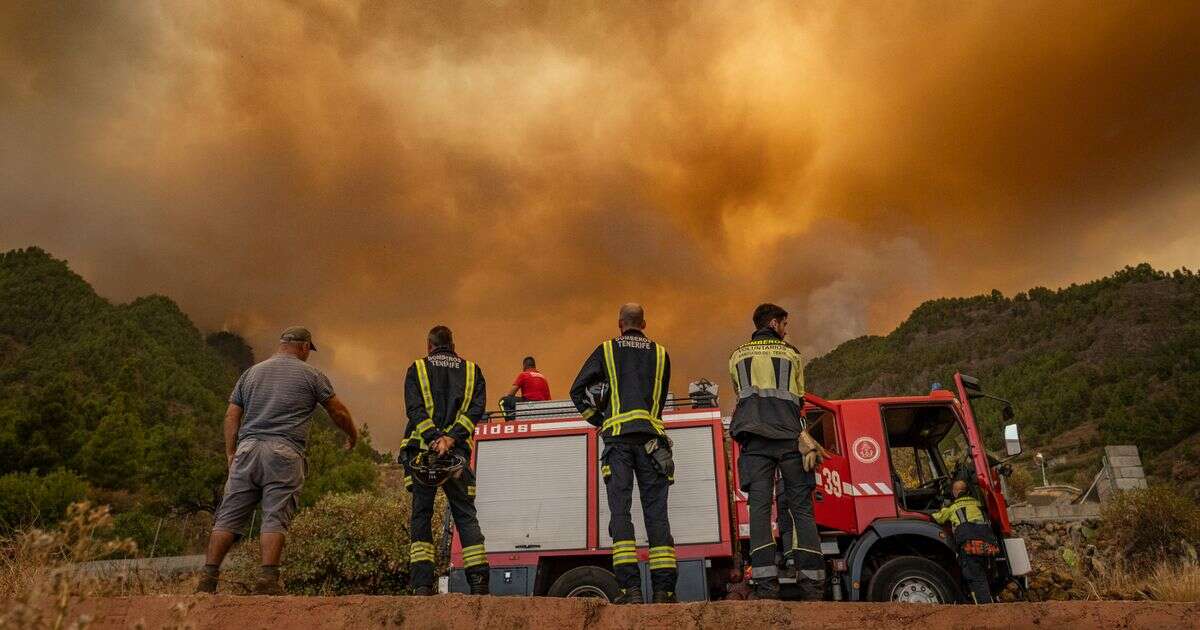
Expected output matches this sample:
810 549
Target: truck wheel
914 580
586 582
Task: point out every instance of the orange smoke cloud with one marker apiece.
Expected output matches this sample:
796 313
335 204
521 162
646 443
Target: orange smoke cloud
517 170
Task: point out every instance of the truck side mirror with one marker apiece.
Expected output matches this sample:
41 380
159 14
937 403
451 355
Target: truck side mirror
1012 440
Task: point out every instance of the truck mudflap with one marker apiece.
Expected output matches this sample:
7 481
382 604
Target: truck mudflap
1018 556
856 556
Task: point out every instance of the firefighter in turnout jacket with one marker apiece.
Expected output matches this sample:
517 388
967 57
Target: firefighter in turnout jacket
621 389
768 377
444 396
974 538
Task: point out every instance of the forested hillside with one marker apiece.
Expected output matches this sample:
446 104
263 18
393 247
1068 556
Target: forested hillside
122 404
1111 361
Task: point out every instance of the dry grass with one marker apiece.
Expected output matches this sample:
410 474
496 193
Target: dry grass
38 580
1168 582
1178 582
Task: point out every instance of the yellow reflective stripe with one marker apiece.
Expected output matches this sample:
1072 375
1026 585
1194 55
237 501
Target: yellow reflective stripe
659 360
663 564
621 561
611 365
420 551
614 423
469 390
408 481
426 393
588 413
470 491
424 425
466 423
474 562
605 470
623 543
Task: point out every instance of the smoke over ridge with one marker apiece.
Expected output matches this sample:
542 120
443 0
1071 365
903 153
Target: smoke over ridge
518 170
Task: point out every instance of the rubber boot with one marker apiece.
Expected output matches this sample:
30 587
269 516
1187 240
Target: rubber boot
664 597
765 588
423 591
631 595
811 590
479 583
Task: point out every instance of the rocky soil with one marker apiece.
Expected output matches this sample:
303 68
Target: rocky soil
459 611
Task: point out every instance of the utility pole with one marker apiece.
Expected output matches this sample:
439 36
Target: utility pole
1041 461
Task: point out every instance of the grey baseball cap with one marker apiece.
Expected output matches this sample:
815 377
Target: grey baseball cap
297 334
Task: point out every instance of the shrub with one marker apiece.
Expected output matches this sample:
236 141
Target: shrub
27 500
154 536
1150 525
345 544
1019 483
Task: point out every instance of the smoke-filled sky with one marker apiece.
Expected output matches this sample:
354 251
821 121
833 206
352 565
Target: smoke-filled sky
518 170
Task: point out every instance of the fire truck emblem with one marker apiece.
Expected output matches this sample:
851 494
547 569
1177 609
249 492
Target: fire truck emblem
865 449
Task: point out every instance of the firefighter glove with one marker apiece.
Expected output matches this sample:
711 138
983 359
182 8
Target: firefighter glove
810 450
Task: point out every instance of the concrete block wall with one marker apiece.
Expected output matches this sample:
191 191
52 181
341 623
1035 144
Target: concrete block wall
1058 512
1122 470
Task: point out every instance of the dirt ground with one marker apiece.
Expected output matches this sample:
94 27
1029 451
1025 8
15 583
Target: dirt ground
460 611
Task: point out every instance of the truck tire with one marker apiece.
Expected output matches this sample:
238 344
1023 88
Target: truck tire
586 582
913 579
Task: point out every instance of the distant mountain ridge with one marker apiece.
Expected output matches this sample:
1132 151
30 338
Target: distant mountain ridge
1116 360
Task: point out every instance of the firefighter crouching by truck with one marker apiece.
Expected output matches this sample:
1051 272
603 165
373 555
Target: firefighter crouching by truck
974 539
768 377
621 389
444 396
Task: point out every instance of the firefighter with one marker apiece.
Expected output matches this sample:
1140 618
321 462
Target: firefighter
974 538
444 396
768 377
621 389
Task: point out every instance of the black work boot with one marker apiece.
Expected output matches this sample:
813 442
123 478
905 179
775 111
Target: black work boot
268 581
267 585
207 584
208 579
631 595
423 591
664 597
811 590
478 583
765 588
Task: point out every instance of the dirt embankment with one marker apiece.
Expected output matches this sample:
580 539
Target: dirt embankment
459 611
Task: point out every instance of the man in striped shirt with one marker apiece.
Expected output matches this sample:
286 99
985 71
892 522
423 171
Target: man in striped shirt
266 427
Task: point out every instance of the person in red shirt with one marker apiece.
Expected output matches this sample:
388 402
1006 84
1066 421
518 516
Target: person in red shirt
531 384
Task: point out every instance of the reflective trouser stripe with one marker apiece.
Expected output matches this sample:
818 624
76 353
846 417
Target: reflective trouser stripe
813 574
605 470
624 552
408 481
474 556
420 551
662 558
764 572
470 491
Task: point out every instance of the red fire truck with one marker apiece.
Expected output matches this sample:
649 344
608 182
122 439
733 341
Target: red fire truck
543 508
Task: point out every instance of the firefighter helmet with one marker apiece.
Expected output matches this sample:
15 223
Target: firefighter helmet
430 470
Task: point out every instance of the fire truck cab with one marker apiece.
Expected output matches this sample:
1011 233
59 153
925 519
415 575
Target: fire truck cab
890 463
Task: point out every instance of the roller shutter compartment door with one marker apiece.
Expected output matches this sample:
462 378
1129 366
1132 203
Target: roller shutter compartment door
531 493
692 503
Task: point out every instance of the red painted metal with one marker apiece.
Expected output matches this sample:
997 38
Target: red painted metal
858 466
568 425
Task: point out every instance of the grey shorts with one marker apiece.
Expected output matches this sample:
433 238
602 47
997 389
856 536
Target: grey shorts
267 471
